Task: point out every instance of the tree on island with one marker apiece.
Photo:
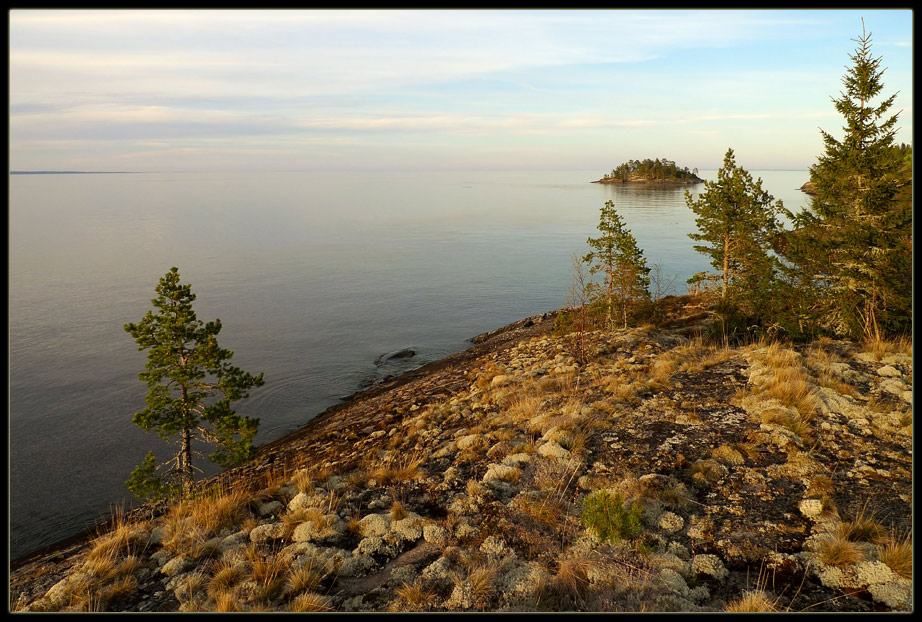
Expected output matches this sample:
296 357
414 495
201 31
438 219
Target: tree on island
626 276
192 387
651 170
854 242
738 223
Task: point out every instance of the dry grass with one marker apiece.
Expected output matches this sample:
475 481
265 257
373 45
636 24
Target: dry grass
820 485
478 582
791 386
224 577
753 601
863 528
268 572
413 597
571 581
306 577
896 552
310 603
881 347
836 550
398 511
210 513
728 455
227 603
407 468
303 480
706 471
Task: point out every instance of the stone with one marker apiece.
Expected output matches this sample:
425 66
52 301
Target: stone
374 525
176 565
468 441
811 508
270 531
710 565
888 371
268 508
894 386
435 534
671 522
553 450
501 472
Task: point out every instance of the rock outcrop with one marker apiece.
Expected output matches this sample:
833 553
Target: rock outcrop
778 470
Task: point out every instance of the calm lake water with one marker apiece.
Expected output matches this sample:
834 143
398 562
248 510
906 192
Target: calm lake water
314 275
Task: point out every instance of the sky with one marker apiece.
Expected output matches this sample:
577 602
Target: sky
274 90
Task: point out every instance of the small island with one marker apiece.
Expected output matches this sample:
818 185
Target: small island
658 171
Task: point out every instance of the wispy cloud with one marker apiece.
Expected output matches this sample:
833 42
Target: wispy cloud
249 80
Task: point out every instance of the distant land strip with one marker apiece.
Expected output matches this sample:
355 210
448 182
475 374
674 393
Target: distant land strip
71 172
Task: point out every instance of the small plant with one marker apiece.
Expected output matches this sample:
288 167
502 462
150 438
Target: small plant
752 601
863 528
224 578
305 578
306 603
413 597
897 554
706 471
605 514
836 550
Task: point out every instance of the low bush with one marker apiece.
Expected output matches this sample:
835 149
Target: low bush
604 512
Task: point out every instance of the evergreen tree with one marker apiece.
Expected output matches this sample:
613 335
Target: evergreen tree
738 222
615 254
192 387
855 241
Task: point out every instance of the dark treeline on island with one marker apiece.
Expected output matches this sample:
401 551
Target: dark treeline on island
70 172
650 171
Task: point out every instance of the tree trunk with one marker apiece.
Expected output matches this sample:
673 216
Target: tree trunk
186 461
723 293
185 451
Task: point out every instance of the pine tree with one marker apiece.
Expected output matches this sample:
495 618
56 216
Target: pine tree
615 254
738 221
192 387
855 240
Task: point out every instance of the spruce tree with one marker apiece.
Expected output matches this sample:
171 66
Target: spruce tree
738 223
854 242
192 387
615 254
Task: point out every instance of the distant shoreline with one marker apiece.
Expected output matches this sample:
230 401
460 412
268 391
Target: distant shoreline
73 172
649 182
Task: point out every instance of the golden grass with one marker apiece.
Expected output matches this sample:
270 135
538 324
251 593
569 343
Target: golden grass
791 386
836 550
752 601
881 347
398 511
224 577
413 597
820 485
303 480
211 512
572 577
121 588
268 572
705 471
863 528
227 603
479 582
305 578
408 467
308 603
728 455
896 552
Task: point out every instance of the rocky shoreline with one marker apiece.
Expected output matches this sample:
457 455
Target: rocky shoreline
649 182
766 475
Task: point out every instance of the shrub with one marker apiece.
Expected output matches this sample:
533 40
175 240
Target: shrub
605 514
